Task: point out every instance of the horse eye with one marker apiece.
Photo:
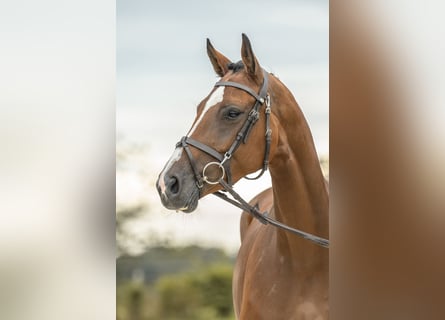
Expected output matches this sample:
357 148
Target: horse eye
232 114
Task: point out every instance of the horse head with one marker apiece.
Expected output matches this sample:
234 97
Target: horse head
227 138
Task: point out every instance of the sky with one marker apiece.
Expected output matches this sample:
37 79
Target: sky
163 72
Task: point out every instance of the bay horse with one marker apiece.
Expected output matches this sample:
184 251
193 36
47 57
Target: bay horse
277 274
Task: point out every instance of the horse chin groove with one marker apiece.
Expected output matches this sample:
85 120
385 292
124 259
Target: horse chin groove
192 203
188 209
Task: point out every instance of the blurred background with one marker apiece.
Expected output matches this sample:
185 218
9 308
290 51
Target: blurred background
173 265
58 129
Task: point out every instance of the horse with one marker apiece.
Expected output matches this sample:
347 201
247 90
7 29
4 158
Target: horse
277 275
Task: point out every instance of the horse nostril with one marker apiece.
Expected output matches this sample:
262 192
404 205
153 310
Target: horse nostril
174 185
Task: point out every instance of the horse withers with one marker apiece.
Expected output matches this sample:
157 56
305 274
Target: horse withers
251 121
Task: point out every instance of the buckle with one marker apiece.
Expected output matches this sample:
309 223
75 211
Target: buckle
268 101
254 115
227 156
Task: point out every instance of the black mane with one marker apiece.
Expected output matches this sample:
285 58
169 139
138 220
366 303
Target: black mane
235 66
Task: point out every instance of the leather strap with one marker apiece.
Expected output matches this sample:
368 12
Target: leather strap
224 159
210 151
198 178
264 218
242 135
259 98
201 146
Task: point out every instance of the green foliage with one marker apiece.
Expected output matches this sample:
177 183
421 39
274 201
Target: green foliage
216 283
159 261
135 302
190 283
205 294
179 296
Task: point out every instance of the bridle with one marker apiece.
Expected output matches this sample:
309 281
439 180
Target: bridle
224 159
241 137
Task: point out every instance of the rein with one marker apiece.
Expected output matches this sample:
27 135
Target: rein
224 160
263 217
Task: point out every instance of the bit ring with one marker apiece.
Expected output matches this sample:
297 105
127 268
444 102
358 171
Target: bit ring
219 165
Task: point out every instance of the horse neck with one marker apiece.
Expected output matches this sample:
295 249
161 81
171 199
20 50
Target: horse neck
300 193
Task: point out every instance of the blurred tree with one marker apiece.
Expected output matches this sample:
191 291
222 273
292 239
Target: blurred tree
204 294
216 286
171 283
163 260
135 303
134 179
179 297
123 235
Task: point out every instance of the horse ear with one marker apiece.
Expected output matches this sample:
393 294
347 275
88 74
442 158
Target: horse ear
253 68
219 61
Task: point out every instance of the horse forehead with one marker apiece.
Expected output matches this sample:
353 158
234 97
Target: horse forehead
215 97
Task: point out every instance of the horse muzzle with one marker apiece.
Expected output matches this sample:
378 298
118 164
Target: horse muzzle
177 187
